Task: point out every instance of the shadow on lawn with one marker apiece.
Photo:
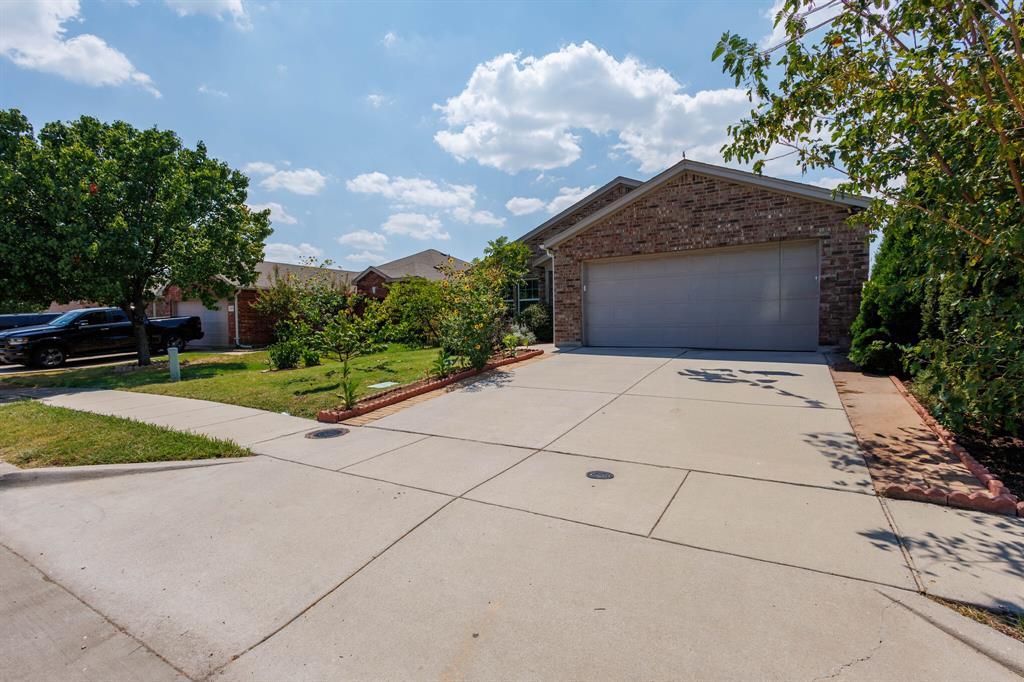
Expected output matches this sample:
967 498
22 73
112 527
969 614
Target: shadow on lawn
324 388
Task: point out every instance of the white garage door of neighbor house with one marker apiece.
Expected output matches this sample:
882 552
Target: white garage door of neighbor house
752 298
215 323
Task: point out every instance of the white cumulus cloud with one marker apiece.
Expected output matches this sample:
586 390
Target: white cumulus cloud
364 239
278 215
567 196
413 191
33 35
377 100
415 225
279 252
304 181
419 193
207 90
218 9
524 205
365 257
466 215
519 113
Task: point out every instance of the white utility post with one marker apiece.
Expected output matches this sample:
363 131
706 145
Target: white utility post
175 366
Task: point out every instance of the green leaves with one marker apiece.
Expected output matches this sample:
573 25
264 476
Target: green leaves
112 214
919 103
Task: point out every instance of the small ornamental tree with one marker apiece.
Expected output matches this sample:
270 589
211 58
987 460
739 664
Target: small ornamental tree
108 213
475 311
347 336
921 104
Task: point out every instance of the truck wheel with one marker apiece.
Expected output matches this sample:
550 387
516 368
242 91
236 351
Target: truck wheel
49 357
175 341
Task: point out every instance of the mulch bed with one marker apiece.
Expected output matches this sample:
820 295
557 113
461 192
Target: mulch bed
1002 455
400 393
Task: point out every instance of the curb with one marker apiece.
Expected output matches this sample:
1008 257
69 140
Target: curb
1000 648
334 416
996 498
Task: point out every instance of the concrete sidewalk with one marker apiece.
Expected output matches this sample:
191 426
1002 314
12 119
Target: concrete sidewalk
462 538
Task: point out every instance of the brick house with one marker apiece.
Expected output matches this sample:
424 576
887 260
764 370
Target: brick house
373 282
234 321
703 256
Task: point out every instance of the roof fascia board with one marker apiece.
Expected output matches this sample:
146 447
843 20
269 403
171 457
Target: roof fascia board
593 196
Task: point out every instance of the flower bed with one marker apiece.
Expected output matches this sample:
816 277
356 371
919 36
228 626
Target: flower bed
400 393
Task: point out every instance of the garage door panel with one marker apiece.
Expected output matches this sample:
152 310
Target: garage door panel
758 286
694 265
754 259
748 312
800 283
755 337
610 291
655 337
668 289
757 298
800 255
656 314
214 322
801 311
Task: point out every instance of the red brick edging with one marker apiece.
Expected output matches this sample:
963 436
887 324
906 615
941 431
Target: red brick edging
397 395
997 498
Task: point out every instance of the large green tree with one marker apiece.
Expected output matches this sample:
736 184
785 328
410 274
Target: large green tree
112 214
919 103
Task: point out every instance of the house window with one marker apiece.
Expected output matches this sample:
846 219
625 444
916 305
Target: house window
528 293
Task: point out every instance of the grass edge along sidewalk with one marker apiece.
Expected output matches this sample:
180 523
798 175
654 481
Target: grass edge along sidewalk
36 435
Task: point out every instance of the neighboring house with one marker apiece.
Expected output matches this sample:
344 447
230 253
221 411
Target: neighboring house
706 257
234 321
375 280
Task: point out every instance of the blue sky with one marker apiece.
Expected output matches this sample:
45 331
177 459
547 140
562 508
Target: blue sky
376 130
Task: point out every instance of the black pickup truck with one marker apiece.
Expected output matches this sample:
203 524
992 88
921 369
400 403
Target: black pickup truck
91 331
25 320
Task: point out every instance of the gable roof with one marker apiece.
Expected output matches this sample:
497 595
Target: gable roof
423 264
593 196
797 189
268 271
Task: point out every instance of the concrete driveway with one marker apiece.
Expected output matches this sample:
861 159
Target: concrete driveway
463 539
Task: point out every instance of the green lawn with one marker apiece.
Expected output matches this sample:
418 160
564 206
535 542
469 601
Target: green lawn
37 435
244 379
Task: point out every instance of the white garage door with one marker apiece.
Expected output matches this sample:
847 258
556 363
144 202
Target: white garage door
215 323
759 298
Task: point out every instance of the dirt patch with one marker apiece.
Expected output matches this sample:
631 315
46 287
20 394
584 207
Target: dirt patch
1001 455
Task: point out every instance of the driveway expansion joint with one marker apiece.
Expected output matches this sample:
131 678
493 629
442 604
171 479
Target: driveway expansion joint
113 623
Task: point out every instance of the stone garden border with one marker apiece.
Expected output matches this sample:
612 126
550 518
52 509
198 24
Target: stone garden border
997 498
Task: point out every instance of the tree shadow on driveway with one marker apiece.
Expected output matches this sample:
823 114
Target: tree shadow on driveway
728 375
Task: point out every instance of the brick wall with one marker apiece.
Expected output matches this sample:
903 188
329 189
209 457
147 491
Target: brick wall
368 282
697 212
565 223
254 328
